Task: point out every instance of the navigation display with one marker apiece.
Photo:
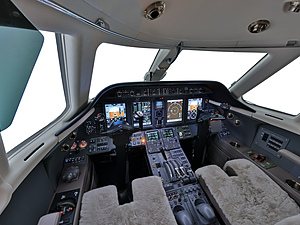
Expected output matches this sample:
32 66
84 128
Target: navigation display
174 110
145 108
115 113
193 104
152 136
167 133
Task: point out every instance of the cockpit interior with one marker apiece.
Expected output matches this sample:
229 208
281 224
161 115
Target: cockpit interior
152 150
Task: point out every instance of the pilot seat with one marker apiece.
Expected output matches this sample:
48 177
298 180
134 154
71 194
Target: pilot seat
244 195
150 205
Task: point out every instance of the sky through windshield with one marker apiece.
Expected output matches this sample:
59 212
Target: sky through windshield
115 64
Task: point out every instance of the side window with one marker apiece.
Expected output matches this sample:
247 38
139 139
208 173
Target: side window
43 100
278 92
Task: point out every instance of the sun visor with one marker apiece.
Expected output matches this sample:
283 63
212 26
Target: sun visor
20 44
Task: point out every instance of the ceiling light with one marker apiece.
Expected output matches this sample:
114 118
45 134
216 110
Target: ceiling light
102 23
294 6
155 10
259 26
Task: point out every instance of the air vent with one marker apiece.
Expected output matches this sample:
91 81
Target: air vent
265 137
274 143
270 141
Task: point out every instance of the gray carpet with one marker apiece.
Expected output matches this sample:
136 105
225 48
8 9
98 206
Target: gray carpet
150 205
250 197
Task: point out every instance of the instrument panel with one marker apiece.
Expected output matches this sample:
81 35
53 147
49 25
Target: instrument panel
153 105
161 104
159 107
155 114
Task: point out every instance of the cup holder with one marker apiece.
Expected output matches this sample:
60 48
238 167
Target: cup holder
293 184
235 144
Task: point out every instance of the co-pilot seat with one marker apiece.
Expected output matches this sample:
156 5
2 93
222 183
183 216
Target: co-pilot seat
247 196
150 205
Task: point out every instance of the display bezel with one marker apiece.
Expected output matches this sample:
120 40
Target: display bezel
159 103
149 120
109 118
148 133
166 133
179 118
190 117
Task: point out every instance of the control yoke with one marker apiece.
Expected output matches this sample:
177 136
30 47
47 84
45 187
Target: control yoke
224 108
118 127
138 115
202 120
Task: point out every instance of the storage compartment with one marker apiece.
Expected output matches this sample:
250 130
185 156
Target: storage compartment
220 151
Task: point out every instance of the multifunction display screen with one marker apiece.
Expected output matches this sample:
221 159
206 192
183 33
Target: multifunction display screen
115 113
152 136
159 105
174 110
167 133
193 104
145 108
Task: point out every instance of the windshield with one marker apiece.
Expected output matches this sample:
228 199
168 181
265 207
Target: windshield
225 67
264 96
115 64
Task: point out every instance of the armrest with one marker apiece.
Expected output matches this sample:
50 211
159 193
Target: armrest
290 156
50 219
